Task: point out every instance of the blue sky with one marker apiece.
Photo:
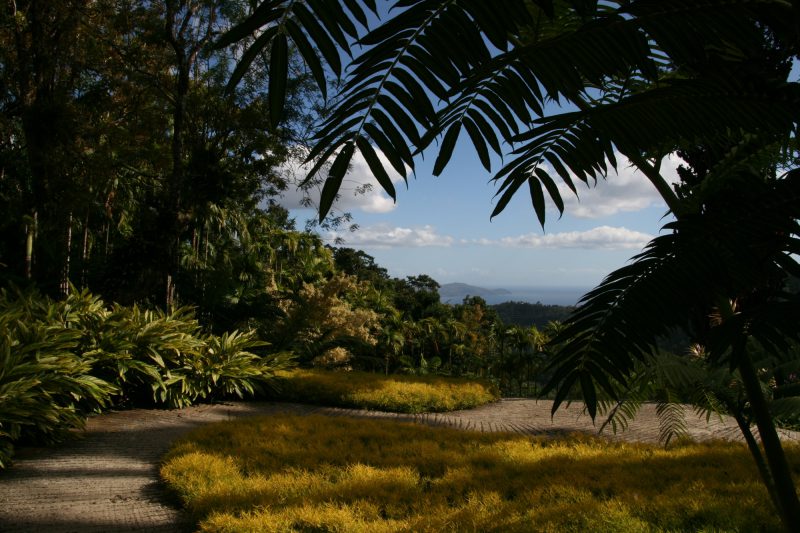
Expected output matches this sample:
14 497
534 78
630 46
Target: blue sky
440 226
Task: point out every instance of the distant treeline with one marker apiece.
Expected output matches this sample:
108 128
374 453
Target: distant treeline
527 314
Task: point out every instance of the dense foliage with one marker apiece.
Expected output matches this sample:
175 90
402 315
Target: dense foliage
318 473
126 169
132 166
531 314
63 360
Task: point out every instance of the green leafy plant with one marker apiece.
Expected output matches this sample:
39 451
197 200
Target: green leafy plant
46 388
224 366
136 348
163 358
62 360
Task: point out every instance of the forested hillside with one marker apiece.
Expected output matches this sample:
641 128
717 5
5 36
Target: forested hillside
527 314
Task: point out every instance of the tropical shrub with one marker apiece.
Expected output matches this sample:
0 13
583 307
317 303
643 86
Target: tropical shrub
396 393
60 361
46 388
315 473
324 316
159 358
138 348
223 366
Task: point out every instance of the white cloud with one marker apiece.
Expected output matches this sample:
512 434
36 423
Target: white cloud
599 238
626 190
602 237
360 191
385 236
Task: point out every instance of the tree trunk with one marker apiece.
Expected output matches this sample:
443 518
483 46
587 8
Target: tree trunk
107 231
85 251
755 451
184 34
64 285
30 231
173 203
788 503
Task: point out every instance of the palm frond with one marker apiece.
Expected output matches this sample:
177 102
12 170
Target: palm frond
317 29
438 68
786 408
619 413
664 377
671 419
387 101
693 267
427 73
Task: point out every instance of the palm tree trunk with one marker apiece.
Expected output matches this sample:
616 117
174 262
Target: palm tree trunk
85 251
29 238
64 285
788 503
755 451
107 228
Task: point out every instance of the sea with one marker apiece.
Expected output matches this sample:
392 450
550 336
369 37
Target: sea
544 295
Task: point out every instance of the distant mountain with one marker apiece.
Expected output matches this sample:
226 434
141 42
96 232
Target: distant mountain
456 292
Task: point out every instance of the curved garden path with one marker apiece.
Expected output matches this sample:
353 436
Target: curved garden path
107 479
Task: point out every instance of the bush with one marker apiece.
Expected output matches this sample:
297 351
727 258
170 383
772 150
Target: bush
46 388
397 393
223 366
60 361
159 358
316 473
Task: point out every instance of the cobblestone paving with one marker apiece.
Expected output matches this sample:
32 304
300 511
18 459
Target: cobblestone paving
106 480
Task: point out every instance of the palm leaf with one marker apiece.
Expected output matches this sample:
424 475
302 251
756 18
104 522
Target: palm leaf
671 421
786 408
436 54
693 267
663 376
435 51
315 27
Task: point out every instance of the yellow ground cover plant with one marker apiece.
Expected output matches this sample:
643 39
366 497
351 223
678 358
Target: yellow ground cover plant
396 393
316 473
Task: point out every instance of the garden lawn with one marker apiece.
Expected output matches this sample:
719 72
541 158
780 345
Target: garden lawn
316 473
395 393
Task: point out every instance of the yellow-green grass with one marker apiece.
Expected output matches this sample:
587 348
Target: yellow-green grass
316 473
396 393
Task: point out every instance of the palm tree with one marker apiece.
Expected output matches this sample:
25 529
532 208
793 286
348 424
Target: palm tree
456 332
434 331
391 339
638 78
411 332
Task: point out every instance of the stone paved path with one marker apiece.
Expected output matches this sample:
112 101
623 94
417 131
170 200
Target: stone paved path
107 480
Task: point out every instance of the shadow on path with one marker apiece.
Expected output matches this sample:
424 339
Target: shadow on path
106 480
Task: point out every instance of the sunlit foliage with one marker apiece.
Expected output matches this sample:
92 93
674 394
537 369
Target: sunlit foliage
294 473
396 393
323 316
63 360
